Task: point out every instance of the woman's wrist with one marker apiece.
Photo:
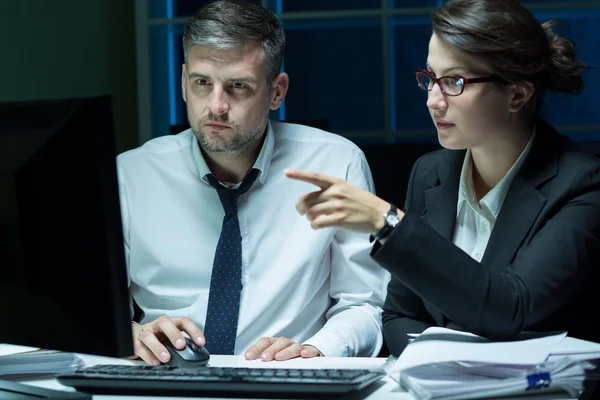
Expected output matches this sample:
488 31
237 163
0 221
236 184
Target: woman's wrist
379 216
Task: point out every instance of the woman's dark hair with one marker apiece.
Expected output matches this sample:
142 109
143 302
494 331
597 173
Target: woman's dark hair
505 36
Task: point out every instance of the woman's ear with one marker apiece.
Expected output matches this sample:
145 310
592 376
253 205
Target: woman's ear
521 93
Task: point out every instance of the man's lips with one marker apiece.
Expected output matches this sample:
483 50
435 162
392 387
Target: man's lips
215 125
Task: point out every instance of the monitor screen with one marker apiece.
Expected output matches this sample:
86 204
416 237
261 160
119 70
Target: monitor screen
63 284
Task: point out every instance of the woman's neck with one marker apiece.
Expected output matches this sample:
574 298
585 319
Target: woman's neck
492 161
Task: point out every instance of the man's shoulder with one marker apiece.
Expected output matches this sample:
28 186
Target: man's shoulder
308 135
158 147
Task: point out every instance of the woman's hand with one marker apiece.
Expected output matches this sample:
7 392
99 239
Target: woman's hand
339 204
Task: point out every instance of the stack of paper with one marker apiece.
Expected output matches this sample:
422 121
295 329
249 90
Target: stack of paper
39 362
443 363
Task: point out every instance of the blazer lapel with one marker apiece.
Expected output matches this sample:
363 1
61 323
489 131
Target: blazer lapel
519 211
440 206
523 202
441 200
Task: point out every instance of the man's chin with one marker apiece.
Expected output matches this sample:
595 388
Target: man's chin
212 141
216 146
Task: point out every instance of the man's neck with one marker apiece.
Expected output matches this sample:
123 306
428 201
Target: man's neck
233 166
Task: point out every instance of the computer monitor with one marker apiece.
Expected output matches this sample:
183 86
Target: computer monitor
63 284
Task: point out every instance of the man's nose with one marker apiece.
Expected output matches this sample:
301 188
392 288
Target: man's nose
218 104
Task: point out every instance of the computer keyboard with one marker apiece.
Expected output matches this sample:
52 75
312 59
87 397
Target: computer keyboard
167 380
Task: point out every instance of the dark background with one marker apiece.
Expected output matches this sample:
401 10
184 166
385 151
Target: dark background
350 64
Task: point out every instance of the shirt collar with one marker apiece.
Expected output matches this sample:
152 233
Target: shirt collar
262 163
493 200
465 190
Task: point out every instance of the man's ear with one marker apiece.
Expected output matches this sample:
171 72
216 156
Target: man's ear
279 88
521 93
184 82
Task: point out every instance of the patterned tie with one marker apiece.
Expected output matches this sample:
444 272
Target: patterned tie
221 323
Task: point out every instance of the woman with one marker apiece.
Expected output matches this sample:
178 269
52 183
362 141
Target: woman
500 232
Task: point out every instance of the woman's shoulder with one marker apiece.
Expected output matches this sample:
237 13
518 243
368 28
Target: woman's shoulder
575 164
440 160
576 158
573 156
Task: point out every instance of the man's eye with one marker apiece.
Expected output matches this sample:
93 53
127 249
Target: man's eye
202 82
238 85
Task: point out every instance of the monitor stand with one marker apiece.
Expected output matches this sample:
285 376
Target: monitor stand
19 391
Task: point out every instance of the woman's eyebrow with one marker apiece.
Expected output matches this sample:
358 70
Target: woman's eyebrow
451 69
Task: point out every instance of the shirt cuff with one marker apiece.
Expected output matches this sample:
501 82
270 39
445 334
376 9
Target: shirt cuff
329 344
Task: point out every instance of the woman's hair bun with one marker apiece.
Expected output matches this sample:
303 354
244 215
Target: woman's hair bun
564 70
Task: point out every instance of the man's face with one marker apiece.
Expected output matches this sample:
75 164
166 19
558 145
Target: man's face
227 95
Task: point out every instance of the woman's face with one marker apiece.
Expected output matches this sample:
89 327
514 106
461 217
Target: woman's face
478 117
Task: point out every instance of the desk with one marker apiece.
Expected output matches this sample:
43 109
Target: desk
387 390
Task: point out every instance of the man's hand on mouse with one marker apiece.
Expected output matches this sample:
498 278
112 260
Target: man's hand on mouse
147 338
270 348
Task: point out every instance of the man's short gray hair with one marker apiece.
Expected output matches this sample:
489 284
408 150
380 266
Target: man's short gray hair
225 24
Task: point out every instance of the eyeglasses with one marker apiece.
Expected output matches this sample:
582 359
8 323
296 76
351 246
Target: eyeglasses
450 85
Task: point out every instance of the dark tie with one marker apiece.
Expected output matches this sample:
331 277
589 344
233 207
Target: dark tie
221 324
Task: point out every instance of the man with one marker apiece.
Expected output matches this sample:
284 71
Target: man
214 245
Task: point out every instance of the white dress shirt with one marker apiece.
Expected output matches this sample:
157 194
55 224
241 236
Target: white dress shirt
317 287
475 220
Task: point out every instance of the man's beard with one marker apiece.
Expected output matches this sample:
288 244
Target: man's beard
213 142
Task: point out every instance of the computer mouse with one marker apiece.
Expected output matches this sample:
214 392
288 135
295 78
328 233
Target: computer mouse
191 356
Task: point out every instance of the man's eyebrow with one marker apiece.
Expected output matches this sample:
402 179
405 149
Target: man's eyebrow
243 78
197 75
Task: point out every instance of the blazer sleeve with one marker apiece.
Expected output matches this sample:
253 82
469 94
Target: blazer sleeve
403 310
499 303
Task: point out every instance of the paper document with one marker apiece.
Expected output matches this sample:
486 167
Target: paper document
448 364
450 381
437 345
38 362
8 349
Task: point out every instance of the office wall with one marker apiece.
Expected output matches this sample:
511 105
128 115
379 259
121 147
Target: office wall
351 63
71 48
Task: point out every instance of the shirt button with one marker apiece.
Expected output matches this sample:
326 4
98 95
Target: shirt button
478 256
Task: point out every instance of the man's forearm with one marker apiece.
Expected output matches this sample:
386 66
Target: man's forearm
351 332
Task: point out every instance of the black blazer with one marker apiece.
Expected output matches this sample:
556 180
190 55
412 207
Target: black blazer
539 270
